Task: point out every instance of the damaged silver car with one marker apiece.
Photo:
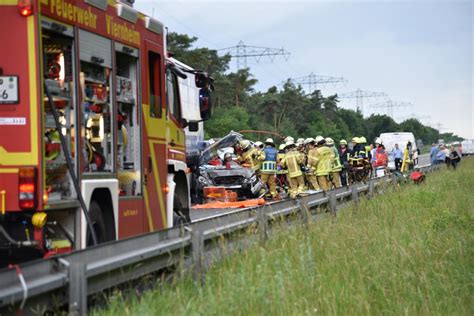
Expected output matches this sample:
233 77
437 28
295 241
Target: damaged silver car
214 171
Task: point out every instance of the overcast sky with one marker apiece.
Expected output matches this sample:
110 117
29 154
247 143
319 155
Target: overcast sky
415 51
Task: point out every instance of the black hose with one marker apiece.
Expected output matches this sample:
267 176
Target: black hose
69 163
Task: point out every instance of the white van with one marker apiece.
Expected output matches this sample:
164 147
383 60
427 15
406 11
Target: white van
467 147
401 138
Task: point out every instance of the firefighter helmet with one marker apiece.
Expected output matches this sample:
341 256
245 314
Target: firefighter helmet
269 141
329 141
244 144
342 142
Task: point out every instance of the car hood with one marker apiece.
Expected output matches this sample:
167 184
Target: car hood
223 172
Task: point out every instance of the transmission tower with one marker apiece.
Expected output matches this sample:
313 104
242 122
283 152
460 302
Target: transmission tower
390 105
313 81
360 95
241 52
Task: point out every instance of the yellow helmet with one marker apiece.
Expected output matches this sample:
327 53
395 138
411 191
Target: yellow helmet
342 142
355 140
282 146
362 140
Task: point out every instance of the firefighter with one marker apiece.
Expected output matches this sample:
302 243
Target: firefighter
354 151
322 162
268 160
311 175
259 146
335 175
282 173
407 163
249 156
300 144
343 158
292 161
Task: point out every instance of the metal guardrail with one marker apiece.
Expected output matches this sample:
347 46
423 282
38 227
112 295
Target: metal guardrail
69 279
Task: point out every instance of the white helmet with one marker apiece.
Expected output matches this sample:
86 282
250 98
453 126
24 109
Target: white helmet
269 141
378 141
318 139
289 143
308 140
329 141
288 138
258 143
244 144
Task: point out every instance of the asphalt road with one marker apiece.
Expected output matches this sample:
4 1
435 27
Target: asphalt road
199 214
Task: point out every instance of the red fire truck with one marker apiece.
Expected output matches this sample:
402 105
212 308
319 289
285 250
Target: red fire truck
88 100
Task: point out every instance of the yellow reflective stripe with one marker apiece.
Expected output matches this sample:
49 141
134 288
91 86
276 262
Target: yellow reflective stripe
157 181
33 90
148 211
155 130
27 158
9 170
8 2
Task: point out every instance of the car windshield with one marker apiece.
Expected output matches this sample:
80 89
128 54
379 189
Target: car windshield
214 149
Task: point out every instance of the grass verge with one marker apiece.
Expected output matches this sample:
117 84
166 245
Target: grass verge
409 251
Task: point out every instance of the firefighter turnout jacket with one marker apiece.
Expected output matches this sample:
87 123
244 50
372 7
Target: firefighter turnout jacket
321 160
250 158
292 161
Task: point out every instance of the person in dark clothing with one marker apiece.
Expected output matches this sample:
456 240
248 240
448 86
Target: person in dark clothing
343 155
454 158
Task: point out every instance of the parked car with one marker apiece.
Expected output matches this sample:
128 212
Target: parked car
213 171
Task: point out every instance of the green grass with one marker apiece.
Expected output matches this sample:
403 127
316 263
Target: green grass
407 252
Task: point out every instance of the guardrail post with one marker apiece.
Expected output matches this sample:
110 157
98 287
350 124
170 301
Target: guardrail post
304 211
332 203
370 194
197 246
355 195
77 288
262 224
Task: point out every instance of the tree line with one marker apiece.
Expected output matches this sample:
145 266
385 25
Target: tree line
285 111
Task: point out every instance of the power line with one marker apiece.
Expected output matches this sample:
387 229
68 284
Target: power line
313 81
241 52
360 95
390 105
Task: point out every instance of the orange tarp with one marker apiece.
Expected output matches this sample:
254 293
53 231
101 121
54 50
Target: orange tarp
238 204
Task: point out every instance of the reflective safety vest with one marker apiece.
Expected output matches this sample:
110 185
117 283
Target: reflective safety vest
292 161
269 160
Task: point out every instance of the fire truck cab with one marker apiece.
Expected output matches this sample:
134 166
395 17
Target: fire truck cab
87 86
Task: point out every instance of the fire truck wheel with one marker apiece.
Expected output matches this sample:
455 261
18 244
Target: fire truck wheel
98 224
178 215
